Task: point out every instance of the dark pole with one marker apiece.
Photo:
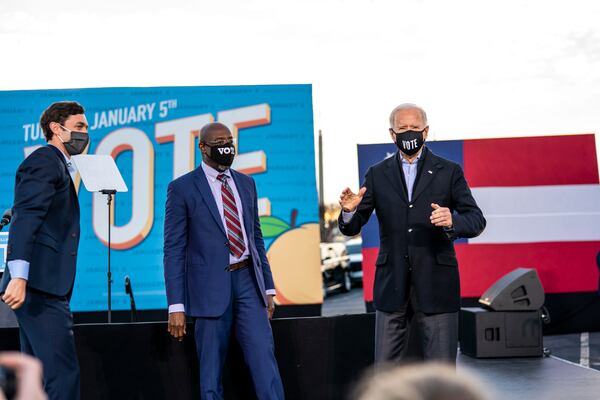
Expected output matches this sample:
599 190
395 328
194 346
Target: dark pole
109 194
321 194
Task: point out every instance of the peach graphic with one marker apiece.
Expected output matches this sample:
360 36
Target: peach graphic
295 260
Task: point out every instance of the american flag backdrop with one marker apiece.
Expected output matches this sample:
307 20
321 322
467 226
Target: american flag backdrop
541 199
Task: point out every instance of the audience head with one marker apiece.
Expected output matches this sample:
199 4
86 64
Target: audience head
427 381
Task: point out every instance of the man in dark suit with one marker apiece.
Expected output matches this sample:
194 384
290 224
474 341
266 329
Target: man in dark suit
422 203
42 248
216 268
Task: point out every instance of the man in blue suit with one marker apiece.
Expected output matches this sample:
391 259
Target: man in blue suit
216 268
42 248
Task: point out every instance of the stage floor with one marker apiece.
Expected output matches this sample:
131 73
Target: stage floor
545 378
319 358
572 371
314 359
579 348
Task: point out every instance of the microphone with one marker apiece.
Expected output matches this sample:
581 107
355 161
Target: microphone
127 285
129 291
6 217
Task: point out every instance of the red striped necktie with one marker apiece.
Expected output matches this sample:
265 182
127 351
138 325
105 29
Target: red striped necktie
232 219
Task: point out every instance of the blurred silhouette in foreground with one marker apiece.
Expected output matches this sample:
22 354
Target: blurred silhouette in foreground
429 381
27 372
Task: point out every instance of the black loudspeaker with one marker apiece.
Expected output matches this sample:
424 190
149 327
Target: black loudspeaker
519 290
495 334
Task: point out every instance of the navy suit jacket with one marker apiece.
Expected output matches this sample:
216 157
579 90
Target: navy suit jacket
196 252
414 252
45 226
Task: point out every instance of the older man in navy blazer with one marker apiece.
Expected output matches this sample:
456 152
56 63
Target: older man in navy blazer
423 203
216 268
42 248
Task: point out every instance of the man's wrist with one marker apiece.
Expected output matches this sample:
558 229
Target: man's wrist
18 269
175 308
347 215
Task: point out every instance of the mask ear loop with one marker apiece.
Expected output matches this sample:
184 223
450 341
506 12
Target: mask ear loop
60 137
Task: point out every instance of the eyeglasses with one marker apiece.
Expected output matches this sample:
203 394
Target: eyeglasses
220 142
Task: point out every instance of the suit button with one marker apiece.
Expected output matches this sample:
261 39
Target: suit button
409 230
73 253
410 206
406 257
74 234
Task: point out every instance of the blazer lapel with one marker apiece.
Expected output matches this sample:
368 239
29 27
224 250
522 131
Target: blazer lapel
61 158
202 185
392 172
427 174
246 201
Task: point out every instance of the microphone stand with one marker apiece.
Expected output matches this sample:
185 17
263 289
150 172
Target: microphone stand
129 291
109 193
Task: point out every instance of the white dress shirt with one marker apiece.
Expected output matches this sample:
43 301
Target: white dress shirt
215 188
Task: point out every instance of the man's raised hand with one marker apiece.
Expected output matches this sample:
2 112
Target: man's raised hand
441 216
349 200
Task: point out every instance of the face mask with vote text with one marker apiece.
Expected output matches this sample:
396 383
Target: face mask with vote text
222 154
410 142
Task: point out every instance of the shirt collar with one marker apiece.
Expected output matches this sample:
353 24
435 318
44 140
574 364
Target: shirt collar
212 173
405 161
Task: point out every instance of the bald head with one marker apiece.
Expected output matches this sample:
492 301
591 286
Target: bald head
209 132
217 145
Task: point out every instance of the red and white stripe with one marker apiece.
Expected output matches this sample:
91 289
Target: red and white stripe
541 199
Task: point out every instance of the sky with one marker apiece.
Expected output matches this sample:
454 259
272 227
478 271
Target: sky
479 68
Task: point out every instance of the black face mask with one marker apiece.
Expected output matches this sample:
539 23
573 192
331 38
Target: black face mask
78 142
410 142
222 154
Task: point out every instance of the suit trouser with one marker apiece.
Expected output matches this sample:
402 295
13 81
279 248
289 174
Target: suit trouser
248 316
438 332
46 332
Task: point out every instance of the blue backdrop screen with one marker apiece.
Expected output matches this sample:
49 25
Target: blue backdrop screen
153 135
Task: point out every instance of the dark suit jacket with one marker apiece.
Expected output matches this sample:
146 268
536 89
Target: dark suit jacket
45 227
196 250
412 250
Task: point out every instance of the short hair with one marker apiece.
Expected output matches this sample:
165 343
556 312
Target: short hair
58 112
210 127
407 106
427 381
